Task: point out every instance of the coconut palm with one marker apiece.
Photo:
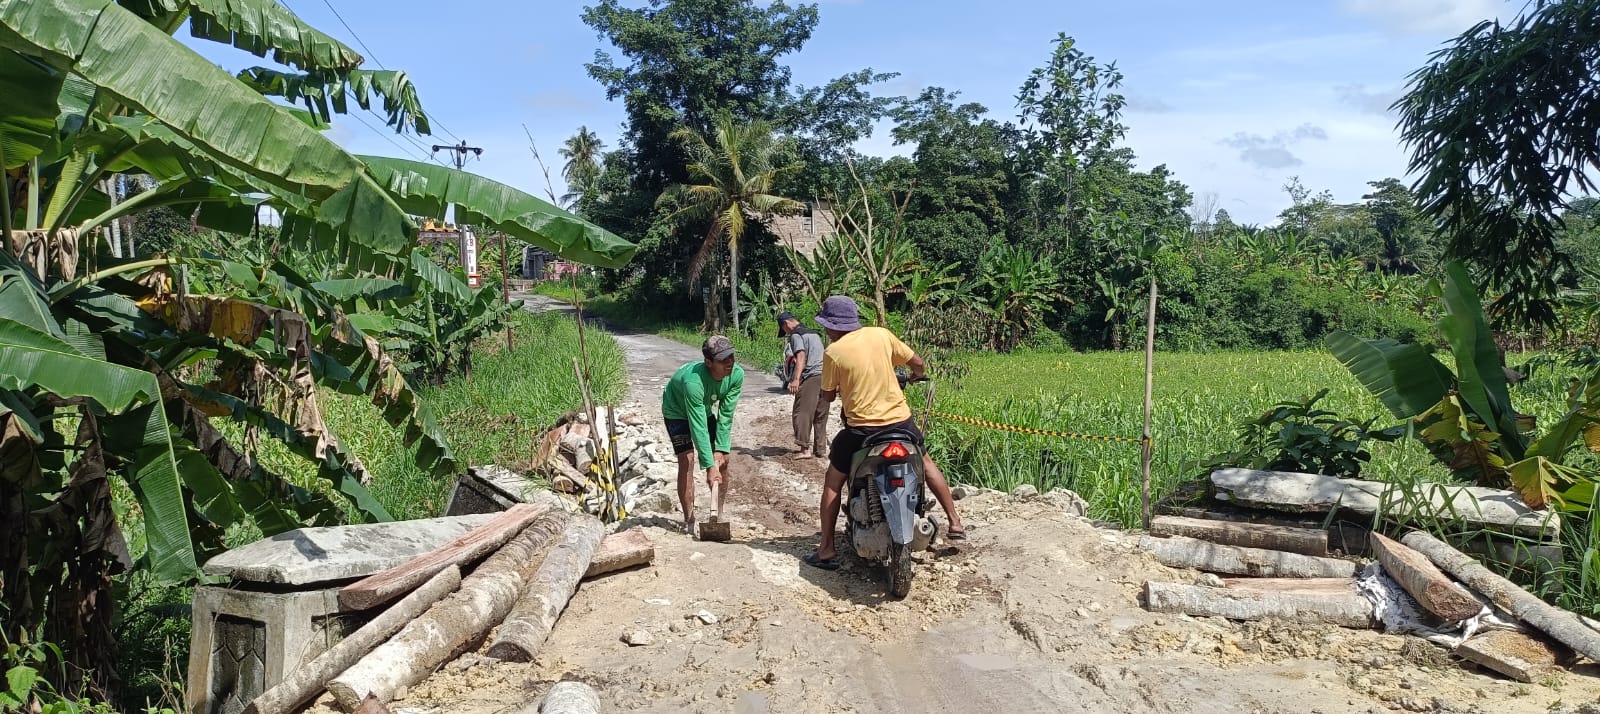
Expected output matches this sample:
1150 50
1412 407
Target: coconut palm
732 174
582 170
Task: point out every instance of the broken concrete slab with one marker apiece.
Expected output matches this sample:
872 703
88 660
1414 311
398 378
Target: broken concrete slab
1512 654
1490 508
318 555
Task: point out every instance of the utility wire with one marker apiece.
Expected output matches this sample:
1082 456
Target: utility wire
374 57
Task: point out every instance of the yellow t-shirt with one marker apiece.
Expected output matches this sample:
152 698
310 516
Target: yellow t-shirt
860 367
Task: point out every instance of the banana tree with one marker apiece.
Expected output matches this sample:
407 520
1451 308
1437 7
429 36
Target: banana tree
113 372
1465 416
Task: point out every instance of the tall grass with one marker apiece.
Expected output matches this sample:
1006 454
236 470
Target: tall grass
494 417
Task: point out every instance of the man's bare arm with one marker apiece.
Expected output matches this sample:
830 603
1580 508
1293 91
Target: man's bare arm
918 367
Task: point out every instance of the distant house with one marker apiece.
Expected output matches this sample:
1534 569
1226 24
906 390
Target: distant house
804 230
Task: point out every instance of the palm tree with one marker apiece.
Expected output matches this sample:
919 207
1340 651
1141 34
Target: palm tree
582 170
731 185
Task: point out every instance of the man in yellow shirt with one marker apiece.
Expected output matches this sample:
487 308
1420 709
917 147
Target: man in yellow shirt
858 366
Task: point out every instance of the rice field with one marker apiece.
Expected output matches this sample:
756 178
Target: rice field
1201 399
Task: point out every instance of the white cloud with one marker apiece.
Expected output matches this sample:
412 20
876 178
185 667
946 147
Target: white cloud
1148 105
1425 17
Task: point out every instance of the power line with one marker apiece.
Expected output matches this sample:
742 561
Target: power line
386 137
375 60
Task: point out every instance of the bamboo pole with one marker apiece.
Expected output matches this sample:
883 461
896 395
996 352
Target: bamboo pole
1149 391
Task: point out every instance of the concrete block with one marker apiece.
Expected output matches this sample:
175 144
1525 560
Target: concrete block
244 641
491 489
317 555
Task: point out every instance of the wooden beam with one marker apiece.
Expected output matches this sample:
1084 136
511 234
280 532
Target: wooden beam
622 550
1181 552
1335 602
1434 590
381 587
1250 535
1565 627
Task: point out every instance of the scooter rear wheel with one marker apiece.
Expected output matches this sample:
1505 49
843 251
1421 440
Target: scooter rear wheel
900 572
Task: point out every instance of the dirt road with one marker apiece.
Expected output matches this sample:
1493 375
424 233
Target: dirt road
1038 613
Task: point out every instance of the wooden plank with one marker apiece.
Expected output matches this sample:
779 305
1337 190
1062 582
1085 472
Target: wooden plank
1181 552
303 685
1512 654
381 587
1565 627
1434 590
1490 508
620 551
1346 609
1249 535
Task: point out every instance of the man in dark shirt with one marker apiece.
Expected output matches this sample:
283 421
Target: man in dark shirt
802 352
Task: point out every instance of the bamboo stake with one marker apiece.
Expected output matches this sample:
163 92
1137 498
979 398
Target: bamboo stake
1149 390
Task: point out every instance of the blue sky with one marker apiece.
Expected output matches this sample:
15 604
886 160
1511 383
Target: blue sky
1234 96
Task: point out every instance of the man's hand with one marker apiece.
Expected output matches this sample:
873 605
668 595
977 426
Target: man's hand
794 387
718 468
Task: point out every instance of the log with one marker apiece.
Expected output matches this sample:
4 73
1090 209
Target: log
622 550
381 587
1324 603
309 679
1565 627
567 698
524 631
1250 535
455 623
1434 590
1512 654
1181 552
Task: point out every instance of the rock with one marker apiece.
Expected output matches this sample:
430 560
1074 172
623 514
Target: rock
705 616
657 601
677 628
1068 501
639 638
963 491
1208 580
655 502
1025 491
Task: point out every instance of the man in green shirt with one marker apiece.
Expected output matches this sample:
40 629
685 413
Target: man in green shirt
698 409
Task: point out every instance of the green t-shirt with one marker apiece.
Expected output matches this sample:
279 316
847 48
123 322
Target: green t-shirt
691 394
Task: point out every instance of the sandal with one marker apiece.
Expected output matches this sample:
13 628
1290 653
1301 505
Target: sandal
956 534
824 564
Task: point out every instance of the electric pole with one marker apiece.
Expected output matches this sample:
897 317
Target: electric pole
458 154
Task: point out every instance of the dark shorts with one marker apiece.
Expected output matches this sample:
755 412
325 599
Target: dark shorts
682 438
849 440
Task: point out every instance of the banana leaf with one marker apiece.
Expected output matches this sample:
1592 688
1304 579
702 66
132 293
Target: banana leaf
28 124
262 26
1407 379
152 73
319 90
426 189
1480 376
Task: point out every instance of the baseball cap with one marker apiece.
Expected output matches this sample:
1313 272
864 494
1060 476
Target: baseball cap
717 348
783 317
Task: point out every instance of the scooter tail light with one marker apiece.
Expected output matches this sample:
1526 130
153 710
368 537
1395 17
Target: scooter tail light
895 450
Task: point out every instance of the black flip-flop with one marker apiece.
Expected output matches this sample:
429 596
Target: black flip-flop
815 562
956 534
